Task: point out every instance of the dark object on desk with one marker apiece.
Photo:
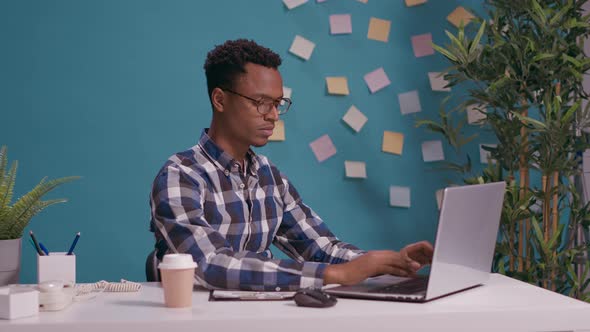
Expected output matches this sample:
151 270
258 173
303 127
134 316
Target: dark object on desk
152 273
315 298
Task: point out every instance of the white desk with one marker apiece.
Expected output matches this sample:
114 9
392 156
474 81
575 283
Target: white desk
503 304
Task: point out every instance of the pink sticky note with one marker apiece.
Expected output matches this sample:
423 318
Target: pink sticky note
340 24
377 80
323 148
422 45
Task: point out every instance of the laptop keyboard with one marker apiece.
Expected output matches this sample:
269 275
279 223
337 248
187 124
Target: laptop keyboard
410 286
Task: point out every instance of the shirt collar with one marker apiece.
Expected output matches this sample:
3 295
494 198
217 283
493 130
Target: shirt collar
222 159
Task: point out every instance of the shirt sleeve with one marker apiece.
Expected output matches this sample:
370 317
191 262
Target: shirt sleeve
177 202
304 236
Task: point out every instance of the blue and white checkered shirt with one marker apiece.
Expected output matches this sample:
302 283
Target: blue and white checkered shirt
204 204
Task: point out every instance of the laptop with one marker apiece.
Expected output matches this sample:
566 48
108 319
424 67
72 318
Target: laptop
463 250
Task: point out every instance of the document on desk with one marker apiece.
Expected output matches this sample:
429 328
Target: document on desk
235 295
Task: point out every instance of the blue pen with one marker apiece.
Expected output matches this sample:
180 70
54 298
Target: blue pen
44 249
74 244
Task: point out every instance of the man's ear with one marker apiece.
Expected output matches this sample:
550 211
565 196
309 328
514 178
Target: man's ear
217 99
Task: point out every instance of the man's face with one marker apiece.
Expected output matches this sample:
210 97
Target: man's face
246 124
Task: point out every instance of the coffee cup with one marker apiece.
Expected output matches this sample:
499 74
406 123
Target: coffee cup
177 271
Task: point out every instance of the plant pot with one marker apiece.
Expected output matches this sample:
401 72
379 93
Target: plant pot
10 252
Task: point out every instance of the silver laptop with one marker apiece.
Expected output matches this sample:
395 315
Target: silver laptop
463 249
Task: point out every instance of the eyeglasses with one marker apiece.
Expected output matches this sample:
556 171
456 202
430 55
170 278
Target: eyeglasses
265 105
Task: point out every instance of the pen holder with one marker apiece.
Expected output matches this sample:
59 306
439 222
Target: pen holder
57 266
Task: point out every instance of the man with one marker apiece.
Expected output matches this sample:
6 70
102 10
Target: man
225 205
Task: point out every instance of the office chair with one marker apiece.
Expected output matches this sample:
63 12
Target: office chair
151 267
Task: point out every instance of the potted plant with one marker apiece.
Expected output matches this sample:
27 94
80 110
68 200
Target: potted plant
523 72
14 217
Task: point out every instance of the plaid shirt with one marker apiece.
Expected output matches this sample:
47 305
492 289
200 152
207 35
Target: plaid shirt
203 203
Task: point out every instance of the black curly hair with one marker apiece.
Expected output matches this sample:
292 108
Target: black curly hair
226 61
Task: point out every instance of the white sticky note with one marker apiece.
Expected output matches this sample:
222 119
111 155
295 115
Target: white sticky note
437 82
432 151
409 102
340 24
323 148
484 155
355 118
302 47
476 114
287 92
377 80
399 196
355 169
422 45
294 3
439 197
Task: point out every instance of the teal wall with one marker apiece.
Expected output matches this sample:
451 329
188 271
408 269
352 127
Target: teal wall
110 89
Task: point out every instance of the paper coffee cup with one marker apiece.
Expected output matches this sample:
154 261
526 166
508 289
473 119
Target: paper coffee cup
177 272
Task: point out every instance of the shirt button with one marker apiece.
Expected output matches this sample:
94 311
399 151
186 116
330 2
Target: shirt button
242 185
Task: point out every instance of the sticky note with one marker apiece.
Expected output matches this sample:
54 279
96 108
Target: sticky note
412 3
485 156
355 118
278 134
293 3
476 114
422 45
287 92
302 47
437 82
399 196
432 151
460 15
439 197
379 29
355 169
393 142
337 85
377 80
340 24
409 102
323 148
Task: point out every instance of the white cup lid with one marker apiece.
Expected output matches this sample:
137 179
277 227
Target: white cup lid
177 261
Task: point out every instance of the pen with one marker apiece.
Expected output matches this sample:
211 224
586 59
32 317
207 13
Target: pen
74 244
44 249
32 244
36 244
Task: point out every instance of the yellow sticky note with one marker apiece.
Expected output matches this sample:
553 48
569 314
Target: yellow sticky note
278 134
337 85
459 15
379 29
393 142
411 3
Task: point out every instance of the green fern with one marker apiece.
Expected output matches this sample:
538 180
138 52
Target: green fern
14 218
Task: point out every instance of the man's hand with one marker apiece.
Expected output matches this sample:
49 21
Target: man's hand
404 263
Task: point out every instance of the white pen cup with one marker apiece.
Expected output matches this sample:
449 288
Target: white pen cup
57 266
177 271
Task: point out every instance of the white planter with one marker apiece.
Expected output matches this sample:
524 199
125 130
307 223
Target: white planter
10 252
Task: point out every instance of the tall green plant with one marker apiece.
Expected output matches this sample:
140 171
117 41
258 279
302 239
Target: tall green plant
524 71
15 217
